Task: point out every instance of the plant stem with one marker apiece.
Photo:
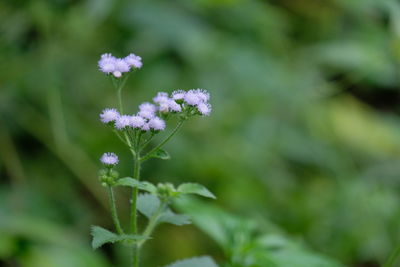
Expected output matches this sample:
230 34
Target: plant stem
134 230
148 155
114 213
152 224
119 94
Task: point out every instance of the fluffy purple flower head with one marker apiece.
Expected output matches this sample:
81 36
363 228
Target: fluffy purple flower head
117 66
146 106
121 65
178 95
163 107
122 122
134 61
147 114
109 159
192 98
109 115
136 122
146 127
202 94
157 124
173 106
161 97
107 63
196 96
204 109
166 104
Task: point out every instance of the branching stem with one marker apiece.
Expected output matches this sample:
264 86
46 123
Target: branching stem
148 155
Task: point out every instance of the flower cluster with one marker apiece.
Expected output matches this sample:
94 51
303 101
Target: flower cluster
117 66
149 117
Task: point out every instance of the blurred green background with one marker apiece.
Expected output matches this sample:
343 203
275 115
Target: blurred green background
304 134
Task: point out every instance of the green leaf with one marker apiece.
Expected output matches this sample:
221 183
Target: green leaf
170 217
102 236
192 188
128 181
161 154
148 204
131 182
149 187
204 261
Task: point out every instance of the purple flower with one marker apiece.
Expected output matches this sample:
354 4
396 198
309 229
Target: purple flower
107 63
109 115
136 122
134 61
122 122
192 98
147 114
121 65
146 127
146 106
174 106
164 106
202 94
109 159
161 97
196 96
204 109
157 124
117 66
178 95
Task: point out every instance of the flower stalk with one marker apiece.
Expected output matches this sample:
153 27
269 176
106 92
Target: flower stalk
136 132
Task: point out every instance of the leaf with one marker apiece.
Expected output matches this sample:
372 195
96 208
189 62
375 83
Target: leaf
192 188
149 187
102 236
131 182
128 181
204 261
170 217
148 204
161 154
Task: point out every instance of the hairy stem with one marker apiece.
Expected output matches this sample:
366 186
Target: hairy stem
148 155
114 213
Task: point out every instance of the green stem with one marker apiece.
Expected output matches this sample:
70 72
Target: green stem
148 155
152 224
134 230
114 213
145 143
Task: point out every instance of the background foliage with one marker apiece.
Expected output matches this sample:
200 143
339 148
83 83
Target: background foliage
304 138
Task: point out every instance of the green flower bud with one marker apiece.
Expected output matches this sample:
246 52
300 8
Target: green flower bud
114 174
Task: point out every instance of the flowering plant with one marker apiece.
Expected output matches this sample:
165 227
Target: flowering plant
136 132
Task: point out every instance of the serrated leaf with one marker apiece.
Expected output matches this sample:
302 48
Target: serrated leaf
192 188
170 217
102 236
160 154
148 204
204 261
128 181
149 187
131 182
